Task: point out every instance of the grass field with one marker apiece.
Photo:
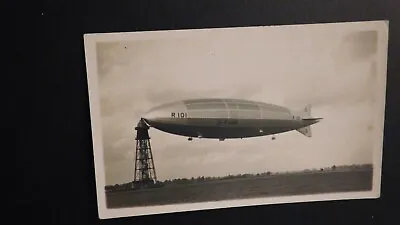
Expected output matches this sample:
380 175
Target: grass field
264 186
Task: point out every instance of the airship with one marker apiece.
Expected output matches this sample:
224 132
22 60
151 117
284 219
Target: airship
227 118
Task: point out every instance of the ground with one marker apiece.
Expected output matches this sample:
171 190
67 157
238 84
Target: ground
239 188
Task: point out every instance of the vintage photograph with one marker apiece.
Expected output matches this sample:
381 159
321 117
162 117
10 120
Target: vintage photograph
198 119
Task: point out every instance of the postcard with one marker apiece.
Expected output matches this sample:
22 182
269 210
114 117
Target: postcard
186 120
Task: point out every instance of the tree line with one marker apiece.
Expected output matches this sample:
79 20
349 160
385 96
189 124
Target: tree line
201 179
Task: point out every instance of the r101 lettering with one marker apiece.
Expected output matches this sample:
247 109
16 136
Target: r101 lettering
178 115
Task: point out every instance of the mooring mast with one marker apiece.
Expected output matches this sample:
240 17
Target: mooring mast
145 171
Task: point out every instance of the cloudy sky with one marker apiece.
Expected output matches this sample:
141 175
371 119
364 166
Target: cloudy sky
332 68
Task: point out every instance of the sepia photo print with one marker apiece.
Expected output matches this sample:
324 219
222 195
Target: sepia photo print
198 119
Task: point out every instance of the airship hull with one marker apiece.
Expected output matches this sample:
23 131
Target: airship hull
222 128
227 118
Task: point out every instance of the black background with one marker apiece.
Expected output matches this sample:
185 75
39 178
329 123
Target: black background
54 149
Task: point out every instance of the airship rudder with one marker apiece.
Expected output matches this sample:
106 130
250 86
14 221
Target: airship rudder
305 115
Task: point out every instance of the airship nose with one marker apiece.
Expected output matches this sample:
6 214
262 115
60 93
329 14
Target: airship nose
155 114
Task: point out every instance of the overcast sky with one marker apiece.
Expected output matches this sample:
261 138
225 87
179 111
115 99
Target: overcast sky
327 66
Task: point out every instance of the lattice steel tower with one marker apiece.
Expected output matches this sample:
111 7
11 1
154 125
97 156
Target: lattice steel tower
145 171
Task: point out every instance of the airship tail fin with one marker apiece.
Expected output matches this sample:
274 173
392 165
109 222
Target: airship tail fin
304 113
306 131
307 112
